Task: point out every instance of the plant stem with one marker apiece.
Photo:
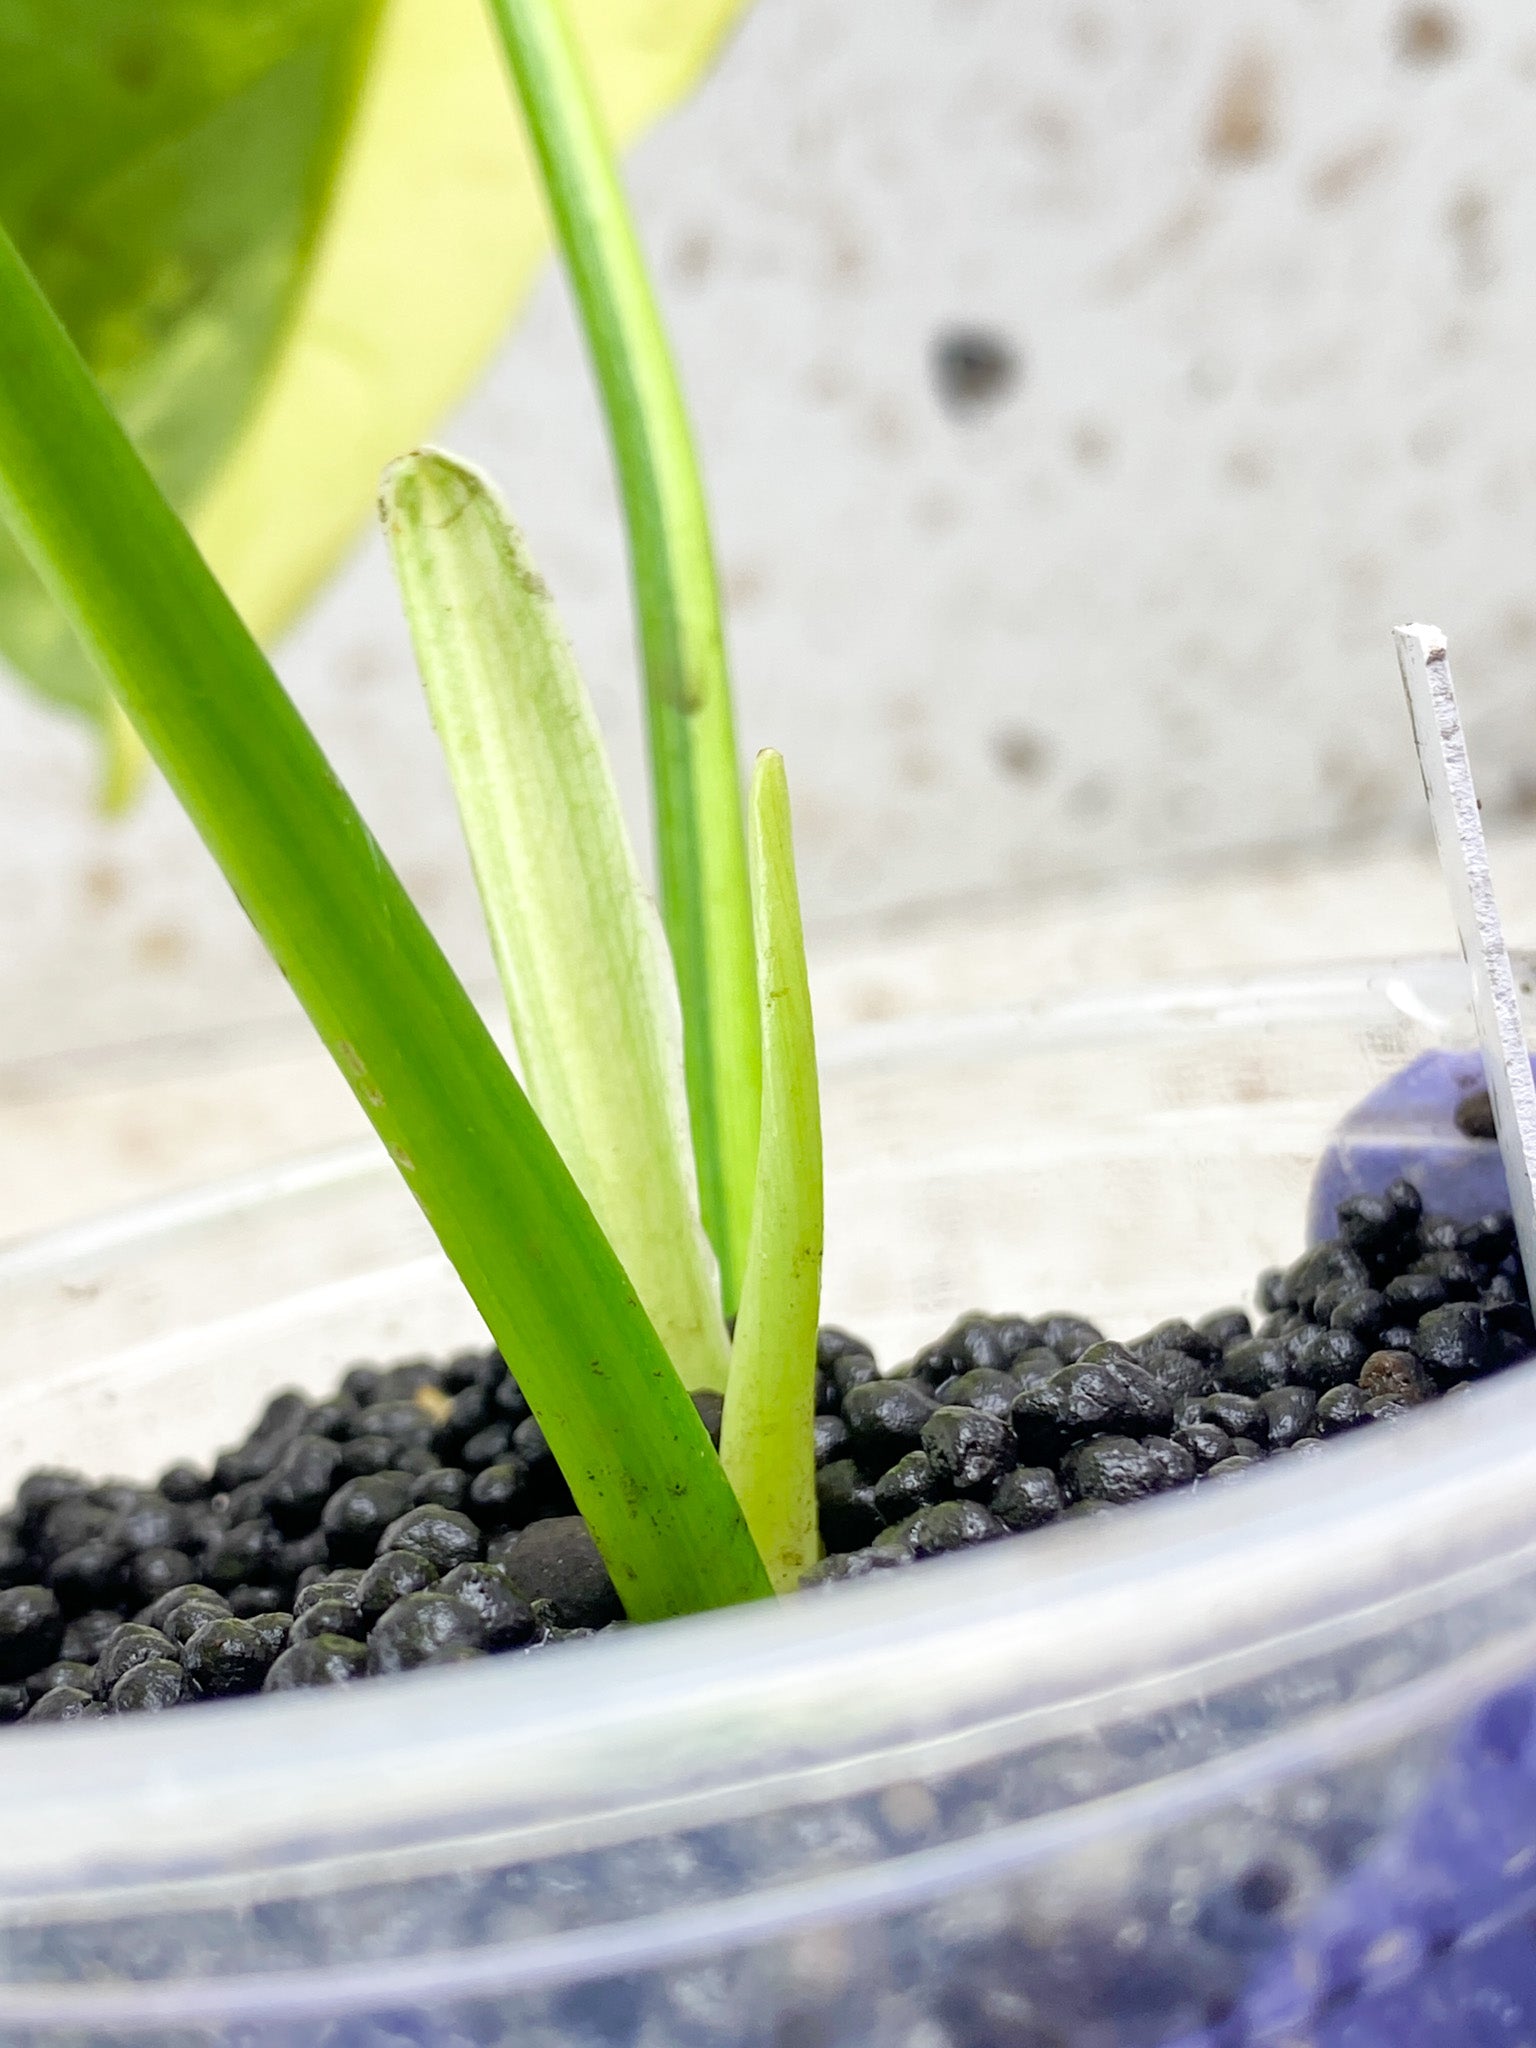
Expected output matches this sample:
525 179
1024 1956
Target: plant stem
701 846
358 956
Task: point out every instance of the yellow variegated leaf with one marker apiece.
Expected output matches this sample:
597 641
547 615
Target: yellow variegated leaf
285 234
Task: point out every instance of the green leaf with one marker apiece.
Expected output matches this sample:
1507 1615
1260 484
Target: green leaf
701 848
314 883
766 1441
285 234
169 216
577 940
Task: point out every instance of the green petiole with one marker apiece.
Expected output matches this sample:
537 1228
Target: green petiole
320 893
701 848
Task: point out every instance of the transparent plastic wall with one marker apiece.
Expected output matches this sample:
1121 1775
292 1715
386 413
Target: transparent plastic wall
1248 1764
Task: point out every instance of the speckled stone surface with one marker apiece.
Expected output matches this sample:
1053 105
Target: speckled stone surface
112 1099
1258 271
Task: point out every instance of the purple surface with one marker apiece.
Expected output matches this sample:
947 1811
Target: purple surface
1407 1127
1433 1939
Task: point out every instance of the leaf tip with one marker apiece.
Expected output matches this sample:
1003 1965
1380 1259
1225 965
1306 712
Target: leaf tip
768 799
430 487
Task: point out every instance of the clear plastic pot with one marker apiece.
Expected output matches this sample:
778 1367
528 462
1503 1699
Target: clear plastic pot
1142 1777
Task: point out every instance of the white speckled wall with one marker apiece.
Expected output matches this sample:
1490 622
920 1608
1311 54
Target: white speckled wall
1240 312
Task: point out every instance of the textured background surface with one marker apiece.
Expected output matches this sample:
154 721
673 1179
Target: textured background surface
95 1129
1265 273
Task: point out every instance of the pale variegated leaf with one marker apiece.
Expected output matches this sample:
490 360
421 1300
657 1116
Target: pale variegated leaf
577 939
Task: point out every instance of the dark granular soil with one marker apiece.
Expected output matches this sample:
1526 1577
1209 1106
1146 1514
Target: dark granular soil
417 1518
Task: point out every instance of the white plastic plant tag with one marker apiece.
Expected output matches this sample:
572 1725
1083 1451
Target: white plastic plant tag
1457 819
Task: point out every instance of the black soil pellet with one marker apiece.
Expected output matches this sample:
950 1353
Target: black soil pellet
445 1486
950 1525
1474 1115
968 1449
416 1517
1455 1342
184 1620
1288 1413
711 1411
1027 1498
885 1420
501 1496
1206 1443
911 1483
1321 1359
846 1506
506 1618
1069 1336
150 1687
1342 1408
323 1660
1396 1376
134 1643
394 1575
65 1703
358 1513
830 1436
1111 1468
337 1613
1237 1414
31 1630
441 1535
556 1561
66 1671
984 1387
418 1628
226 1657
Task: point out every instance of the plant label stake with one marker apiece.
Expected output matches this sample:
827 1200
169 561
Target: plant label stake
1457 819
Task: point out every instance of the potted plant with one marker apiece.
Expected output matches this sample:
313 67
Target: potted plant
831 1855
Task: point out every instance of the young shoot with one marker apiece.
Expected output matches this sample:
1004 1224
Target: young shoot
766 1442
577 941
